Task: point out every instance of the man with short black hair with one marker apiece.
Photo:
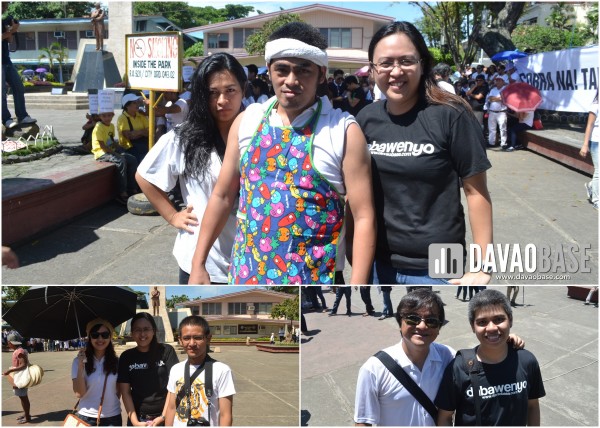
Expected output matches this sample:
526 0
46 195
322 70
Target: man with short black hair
493 384
293 161
337 88
380 398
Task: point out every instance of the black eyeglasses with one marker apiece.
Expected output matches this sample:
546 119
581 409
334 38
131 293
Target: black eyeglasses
415 320
96 335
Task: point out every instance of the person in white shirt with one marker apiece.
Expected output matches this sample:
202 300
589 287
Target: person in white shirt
380 398
441 73
197 407
193 153
497 114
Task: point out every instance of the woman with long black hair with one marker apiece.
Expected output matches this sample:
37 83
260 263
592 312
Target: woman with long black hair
144 373
424 143
94 374
193 152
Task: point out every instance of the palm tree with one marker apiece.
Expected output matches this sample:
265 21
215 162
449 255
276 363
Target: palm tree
55 52
48 54
62 55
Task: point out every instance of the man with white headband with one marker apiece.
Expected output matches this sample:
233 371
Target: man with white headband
294 162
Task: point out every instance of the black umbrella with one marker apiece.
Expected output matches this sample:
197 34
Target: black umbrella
57 312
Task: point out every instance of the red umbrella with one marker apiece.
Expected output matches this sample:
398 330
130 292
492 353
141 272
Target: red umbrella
521 97
362 72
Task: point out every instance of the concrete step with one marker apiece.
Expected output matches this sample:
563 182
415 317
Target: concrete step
560 148
69 101
34 205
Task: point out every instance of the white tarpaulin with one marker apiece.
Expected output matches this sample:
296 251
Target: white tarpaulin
567 79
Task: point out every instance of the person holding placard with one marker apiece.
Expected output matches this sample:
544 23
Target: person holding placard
106 149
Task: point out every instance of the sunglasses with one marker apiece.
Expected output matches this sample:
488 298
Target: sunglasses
96 335
415 320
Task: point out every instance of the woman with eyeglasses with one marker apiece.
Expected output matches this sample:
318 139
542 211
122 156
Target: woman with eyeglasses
423 141
144 373
94 374
193 153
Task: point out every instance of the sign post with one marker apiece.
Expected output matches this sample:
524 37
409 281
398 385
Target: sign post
153 62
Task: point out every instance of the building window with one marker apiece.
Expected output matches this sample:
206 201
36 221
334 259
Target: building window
216 330
263 308
230 330
240 36
211 308
26 41
338 37
218 41
70 40
140 26
195 310
237 308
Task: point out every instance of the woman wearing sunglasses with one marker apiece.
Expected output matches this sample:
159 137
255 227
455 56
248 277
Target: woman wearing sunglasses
94 374
144 373
424 142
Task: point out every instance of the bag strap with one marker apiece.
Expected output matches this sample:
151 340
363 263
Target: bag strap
189 381
408 383
472 369
101 400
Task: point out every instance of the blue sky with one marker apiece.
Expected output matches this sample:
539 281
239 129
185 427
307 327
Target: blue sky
195 292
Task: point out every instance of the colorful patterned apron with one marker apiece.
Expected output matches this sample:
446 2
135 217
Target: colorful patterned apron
290 216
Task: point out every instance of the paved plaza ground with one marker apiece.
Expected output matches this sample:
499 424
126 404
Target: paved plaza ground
535 200
561 332
267 388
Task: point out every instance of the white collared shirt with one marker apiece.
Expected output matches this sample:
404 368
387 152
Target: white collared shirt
380 397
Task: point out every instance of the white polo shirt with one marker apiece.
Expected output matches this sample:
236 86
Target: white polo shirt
382 400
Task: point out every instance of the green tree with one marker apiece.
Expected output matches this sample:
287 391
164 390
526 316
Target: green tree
561 16
255 44
285 289
55 52
288 309
466 25
430 29
12 294
589 31
173 300
236 11
196 49
543 39
45 10
185 16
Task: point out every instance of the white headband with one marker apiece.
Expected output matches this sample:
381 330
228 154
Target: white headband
283 48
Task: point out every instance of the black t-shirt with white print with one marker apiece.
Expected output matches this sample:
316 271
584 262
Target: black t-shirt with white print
148 382
417 160
505 389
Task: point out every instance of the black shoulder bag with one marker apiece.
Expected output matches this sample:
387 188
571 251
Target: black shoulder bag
472 367
187 388
408 383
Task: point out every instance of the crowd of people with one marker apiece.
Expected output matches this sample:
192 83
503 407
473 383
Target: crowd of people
44 345
148 381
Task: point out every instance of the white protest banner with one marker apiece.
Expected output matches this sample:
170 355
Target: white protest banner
93 99
106 101
187 72
153 60
567 79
